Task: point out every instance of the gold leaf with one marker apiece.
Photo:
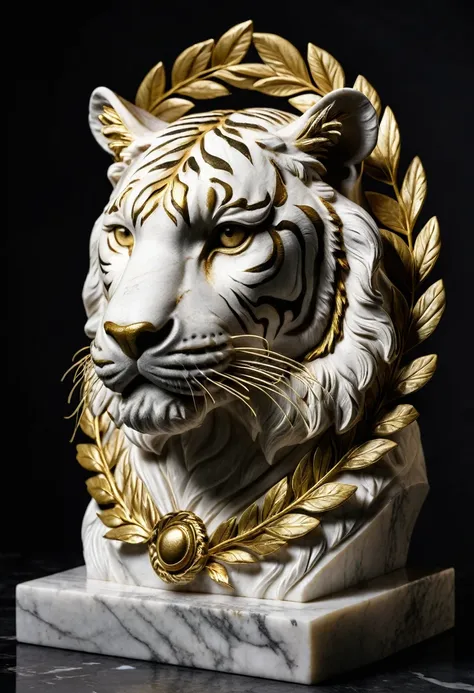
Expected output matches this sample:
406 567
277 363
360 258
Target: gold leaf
303 476
281 55
191 61
104 423
383 162
413 191
223 532
131 534
233 45
413 376
88 457
250 70
427 248
86 422
279 86
152 87
218 573
204 89
401 249
427 313
327 497
275 499
373 393
397 260
325 69
172 109
115 448
368 453
362 85
113 517
321 461
99 488
304 101
248 519
292 526
387 210
236 556
136 496
244 76
263 544
396 419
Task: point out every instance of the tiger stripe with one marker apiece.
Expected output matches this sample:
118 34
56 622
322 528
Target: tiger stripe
335 329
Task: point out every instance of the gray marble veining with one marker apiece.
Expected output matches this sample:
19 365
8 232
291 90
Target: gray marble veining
303 643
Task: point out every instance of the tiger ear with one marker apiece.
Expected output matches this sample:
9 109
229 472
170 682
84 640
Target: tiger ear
116 123
343 125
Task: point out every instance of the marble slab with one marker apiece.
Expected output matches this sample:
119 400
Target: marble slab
304 643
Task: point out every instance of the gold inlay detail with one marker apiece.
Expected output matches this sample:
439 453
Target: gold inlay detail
178 543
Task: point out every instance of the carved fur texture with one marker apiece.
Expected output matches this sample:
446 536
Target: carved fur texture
235 313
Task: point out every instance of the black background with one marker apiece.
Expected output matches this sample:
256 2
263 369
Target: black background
417 55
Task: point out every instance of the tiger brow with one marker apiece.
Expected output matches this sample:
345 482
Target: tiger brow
242 202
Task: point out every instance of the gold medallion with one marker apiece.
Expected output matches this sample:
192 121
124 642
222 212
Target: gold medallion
178 547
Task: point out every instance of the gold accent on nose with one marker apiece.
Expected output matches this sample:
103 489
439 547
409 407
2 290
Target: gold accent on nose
126 335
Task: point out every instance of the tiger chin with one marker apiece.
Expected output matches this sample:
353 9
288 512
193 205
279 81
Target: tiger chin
235 311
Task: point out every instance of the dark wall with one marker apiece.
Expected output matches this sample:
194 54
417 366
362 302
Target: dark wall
417 55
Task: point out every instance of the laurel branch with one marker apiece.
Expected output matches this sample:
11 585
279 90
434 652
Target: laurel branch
293 507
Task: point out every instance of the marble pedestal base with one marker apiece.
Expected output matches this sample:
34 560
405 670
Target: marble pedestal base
304 643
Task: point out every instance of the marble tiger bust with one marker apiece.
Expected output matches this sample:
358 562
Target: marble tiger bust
235 310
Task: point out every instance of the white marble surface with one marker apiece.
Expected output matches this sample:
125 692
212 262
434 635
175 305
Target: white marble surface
368 537
226 399
304 643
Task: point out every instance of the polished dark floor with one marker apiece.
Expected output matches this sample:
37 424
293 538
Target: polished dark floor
442 663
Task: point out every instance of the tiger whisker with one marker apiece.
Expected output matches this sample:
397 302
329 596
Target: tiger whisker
70 416
93 382
283 371
278 390
278 378
243 398
252 336
79 351
80 369
303 375
75 365
74 387
261 388
80 374
79 379
190 388
230 389
90 381
274 355
229 376
206 391
295 370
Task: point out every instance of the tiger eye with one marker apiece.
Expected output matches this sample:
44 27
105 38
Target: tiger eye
123 237
232 237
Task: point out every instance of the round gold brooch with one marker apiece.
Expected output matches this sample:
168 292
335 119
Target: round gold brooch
178 547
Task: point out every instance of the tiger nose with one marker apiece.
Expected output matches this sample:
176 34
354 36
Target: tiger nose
134 339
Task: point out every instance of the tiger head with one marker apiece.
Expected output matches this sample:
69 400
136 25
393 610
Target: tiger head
227 271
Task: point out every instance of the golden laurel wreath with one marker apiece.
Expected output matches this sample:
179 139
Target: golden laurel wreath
178 544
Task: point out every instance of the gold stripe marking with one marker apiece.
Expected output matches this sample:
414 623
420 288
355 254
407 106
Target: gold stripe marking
281 195
335 329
